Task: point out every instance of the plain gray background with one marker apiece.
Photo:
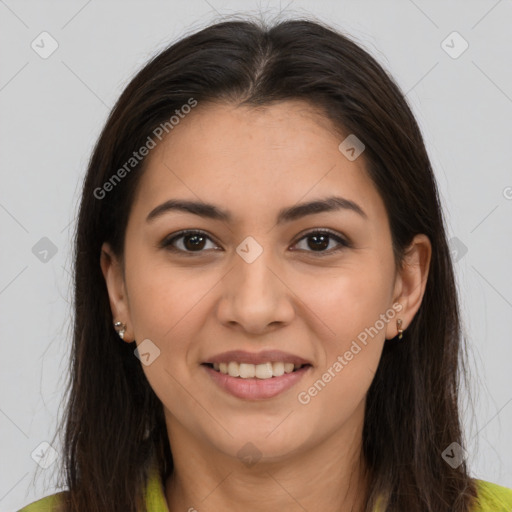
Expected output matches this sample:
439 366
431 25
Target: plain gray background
52 110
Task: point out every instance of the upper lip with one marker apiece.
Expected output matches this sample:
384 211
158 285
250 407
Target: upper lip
265 356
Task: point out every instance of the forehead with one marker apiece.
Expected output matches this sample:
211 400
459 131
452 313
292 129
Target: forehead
255 158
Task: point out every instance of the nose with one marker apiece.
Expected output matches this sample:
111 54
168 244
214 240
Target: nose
255 296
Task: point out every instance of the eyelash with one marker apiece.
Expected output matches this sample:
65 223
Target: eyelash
167 243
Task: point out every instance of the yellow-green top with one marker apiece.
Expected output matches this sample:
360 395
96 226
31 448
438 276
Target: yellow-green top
492 498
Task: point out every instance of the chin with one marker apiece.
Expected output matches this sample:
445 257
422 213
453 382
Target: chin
268 444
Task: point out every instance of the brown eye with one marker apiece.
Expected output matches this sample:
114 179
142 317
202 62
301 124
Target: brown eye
193 241
319 241
187 242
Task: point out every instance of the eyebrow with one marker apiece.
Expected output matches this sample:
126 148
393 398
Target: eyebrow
328 204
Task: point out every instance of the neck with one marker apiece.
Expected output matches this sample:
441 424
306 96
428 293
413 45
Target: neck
328 477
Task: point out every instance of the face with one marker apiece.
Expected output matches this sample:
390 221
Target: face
317 285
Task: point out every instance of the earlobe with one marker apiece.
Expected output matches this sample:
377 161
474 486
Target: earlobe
114 280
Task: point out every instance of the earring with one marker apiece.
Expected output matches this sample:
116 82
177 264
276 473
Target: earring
120 328
400 330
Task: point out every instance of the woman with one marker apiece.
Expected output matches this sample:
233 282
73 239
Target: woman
265 309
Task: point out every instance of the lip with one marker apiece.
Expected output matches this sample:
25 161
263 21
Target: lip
265 356
256 389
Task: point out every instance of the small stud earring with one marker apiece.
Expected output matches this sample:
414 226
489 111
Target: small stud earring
120 328
400 330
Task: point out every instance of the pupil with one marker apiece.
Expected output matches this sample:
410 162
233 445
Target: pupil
194 245
324 241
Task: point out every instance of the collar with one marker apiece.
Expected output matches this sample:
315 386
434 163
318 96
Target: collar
155 493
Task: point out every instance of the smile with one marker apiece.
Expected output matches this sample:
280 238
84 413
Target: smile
259 371
256 382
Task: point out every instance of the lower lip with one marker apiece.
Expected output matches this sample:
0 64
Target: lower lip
256 389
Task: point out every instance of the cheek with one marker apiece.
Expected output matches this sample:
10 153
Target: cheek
165 307
350 303
161 299
347 300
340 383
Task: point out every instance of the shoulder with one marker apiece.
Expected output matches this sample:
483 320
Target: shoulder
51 503
492 497
154 496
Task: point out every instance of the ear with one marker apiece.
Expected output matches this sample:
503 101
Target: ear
411 282
113 273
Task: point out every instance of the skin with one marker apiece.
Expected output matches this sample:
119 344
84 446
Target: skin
254 162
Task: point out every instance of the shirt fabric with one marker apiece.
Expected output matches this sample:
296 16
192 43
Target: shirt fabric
492 498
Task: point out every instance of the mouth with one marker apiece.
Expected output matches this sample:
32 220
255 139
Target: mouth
263 371
255 382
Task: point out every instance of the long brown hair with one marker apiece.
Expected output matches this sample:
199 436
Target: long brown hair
114 424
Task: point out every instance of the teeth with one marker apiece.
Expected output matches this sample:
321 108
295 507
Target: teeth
233 369
260 371
264 371
247 371
277 369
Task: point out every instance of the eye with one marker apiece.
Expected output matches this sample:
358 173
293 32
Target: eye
195 241
188 241
320 240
